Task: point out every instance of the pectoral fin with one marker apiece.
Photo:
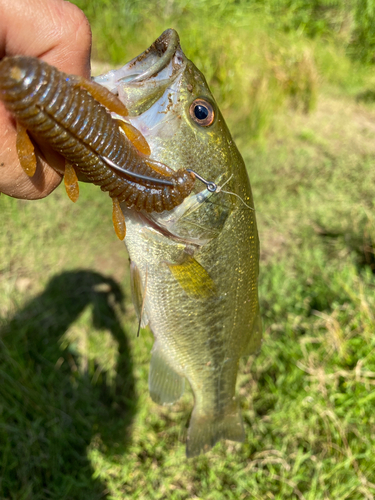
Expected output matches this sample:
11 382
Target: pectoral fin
138 294
193 278
165 385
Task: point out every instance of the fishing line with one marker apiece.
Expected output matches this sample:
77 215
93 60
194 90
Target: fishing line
220 188
237 195
214 188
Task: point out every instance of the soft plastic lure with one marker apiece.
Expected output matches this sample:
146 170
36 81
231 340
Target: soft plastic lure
73 115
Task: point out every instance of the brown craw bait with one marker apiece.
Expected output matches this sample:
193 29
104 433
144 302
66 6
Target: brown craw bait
73 115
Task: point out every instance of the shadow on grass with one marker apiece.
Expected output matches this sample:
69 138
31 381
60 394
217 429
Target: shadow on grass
50 411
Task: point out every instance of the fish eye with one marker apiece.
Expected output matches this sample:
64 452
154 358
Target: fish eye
202 112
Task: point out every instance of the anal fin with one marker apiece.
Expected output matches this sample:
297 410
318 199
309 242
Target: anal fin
165 385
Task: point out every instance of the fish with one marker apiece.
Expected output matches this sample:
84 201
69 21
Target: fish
194 269
72 115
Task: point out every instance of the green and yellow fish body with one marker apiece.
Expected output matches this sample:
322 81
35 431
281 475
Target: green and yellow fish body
194 269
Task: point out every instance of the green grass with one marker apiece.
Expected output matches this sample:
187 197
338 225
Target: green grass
258 56
76 420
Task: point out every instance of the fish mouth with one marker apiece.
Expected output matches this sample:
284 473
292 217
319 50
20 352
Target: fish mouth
144 79
156 58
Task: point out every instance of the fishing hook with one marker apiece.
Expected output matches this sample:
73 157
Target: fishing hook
211 186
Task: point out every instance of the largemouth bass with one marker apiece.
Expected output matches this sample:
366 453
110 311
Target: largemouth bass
194 269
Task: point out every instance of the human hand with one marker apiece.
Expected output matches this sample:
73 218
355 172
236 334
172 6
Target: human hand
59 33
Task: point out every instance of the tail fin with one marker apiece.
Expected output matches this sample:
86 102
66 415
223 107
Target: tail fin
205 431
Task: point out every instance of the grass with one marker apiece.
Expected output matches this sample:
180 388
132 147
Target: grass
269 64
76 420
